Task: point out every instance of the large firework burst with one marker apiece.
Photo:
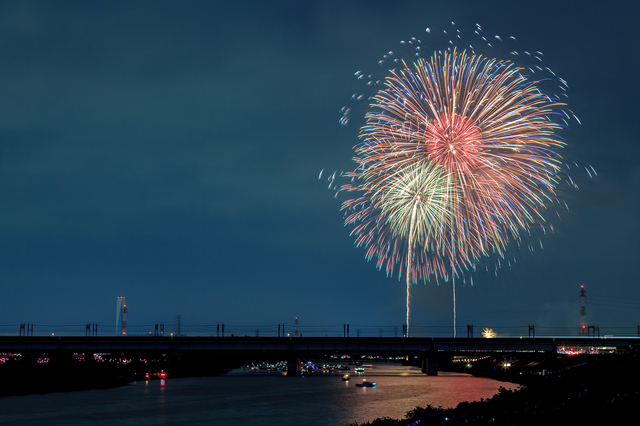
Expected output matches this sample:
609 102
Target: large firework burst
457 158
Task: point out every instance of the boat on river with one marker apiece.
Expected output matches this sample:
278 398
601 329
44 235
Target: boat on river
366 384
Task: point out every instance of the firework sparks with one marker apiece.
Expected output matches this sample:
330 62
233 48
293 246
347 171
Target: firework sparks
457 158
407 207
488 333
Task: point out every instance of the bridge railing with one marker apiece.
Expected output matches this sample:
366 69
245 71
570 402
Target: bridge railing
291 330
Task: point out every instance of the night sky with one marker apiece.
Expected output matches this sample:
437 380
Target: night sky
169 152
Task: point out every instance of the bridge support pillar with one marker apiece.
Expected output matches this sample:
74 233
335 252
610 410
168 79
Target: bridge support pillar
293 365
430 365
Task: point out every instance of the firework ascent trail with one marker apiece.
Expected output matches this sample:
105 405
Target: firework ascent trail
457 158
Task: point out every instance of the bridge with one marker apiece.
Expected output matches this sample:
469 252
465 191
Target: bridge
295 348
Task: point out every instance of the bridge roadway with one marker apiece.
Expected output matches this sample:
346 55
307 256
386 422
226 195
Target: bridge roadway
301 346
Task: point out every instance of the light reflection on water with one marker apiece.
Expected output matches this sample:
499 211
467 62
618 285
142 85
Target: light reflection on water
252 398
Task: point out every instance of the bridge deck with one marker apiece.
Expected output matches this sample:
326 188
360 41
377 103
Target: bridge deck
387 346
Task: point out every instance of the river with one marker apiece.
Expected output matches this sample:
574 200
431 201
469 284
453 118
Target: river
250 398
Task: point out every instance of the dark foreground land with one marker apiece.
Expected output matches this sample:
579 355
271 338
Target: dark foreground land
586 389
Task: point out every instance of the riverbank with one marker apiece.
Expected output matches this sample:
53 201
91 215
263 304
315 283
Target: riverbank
25 375
572 390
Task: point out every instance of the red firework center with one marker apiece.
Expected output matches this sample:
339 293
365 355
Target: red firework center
454 142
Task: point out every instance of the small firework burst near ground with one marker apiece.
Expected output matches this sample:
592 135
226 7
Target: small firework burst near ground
458 158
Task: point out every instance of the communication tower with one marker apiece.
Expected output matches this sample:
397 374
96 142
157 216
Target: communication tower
584 330
296 330
121 316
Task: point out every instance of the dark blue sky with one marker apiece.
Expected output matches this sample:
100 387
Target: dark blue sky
169 152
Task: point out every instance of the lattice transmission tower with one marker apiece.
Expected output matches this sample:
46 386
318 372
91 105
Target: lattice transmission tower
584 330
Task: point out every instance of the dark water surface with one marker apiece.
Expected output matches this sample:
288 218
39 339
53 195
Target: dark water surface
251 398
